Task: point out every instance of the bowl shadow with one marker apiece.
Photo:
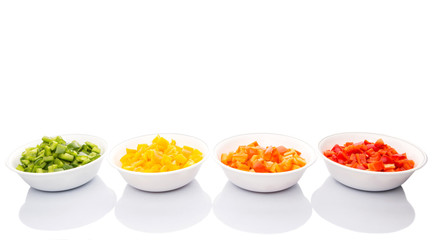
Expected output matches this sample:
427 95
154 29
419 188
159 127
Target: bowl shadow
363 211
266 213
67 209
158 212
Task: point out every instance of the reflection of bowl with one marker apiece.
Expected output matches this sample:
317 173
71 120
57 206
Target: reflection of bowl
68 209
164 211
161 181
369 180
373 212
264 182
276 212
64 180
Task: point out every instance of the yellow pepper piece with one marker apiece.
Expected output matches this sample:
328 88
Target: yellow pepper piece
160 156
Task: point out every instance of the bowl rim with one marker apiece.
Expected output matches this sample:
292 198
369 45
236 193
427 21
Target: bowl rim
308 164
419 166
17 151
198 164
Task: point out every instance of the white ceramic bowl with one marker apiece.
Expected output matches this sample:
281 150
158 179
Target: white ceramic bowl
369 180
162 181
264 182
64 180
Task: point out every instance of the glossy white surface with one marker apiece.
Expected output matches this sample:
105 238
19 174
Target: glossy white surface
369 212
163 211
215 69
264 182
282 211
368 180
65 210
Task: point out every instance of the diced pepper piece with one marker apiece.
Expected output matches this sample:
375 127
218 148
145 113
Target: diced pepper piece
48 158
96 150
282 149
259 167
60 149
47 150
240 157
74 145
53 145
25 162
82 158
92 145
224 158
47 139
66 156
268 154
389 166
376 166
379 143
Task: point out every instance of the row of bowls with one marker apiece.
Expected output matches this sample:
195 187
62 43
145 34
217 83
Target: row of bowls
259 182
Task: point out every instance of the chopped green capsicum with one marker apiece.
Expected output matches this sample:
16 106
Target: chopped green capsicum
54 155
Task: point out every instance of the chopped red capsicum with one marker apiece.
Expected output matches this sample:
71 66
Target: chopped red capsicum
370 156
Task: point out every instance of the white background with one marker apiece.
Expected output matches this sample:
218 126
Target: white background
214 69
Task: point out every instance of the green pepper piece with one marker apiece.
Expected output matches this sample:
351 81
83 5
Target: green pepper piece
47 150
53 145
93 156
67 166
75 164
96 149
60 140
38 162
74 145
66 156
31 158
58 162
41 153
71 152
86 161
31 153
81 158
52 167
60 149
85 149
42 145
47 139
25 162
48 158
29 168
42 165
92 145
20 168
